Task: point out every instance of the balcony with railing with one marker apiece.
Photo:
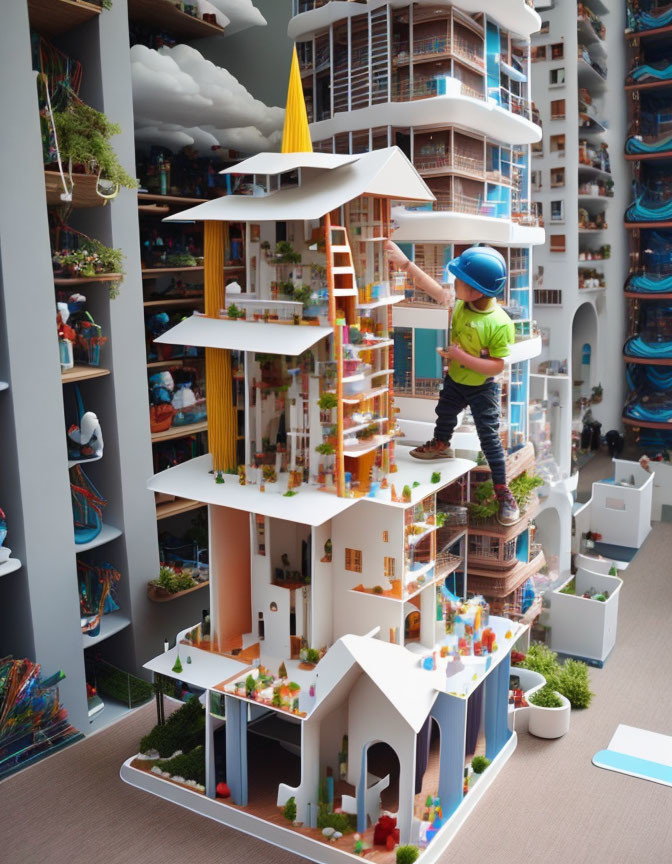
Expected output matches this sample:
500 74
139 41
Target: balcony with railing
442 162
427 88
437 46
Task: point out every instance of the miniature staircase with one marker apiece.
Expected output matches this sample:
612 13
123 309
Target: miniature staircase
341 263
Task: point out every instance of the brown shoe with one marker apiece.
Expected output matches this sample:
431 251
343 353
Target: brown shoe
433 449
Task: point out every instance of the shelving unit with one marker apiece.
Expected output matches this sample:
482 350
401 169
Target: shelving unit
40 613
180 431
180 505
173 20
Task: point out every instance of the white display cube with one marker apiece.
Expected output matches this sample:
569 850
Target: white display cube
586 628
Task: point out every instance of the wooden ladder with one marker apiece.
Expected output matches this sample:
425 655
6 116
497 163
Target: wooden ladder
340 253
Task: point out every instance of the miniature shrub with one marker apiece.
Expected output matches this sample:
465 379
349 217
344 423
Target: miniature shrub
546 698
485 505
313 656
290 493
479 764
377 589
190 765
174 580
406 493
325 449
183 730
573 683
570 587
250 684
328 401
436 477
181 259
407 854
523 487
540 658
289 810
338 821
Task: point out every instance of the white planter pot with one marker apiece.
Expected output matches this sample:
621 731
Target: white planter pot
549 722
586 628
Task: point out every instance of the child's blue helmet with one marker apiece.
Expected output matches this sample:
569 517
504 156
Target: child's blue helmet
482 267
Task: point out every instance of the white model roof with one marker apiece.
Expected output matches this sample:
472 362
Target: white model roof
397 673
384 172
446 226
266 338
280 163
514 15
194 480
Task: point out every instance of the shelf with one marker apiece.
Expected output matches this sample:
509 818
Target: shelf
163 16
157 595
173 302
172 508
180 431
82 373
645 424
73 462
589 75
649 361
108 533
593 171
176 361
160 271
10 565
53 17
154 209
648 34
643 157
366 446
83 280
171 199
110 624
4 385
384 301
356 398
639 226
652 295
84 193
648 85
111 712
372 346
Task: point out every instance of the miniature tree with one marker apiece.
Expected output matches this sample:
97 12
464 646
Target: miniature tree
282 671
407 854
406 494
479 764
250 685
177 668
436 476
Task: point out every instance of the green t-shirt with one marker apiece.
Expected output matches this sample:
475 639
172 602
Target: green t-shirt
487 332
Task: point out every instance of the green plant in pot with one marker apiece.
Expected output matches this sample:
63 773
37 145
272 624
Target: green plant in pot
84 139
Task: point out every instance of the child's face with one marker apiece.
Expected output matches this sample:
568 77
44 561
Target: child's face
466 292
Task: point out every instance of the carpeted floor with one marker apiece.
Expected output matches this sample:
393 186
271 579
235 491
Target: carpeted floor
549 804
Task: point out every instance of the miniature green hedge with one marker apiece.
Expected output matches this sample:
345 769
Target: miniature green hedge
123 687
190 765
546 698
183 730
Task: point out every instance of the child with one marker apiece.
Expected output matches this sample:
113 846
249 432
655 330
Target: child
480 337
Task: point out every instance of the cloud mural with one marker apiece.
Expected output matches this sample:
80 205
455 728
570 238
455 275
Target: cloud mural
179 95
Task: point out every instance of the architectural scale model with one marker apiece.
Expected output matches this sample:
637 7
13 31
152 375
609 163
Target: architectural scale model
351 677
450 85
576 60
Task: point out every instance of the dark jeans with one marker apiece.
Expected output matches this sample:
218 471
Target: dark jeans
485 409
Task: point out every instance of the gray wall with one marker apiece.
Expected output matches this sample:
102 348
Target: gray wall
259 57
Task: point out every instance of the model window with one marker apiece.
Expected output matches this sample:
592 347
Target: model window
557 176
556 77
557 51
557 242
353 560
557 211
537 53
386 536
545 26
388 564
558 142
557 109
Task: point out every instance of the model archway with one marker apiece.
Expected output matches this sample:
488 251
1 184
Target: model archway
584 352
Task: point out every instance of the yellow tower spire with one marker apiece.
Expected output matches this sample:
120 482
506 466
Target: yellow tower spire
296 135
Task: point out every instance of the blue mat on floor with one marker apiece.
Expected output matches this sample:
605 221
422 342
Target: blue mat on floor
616 553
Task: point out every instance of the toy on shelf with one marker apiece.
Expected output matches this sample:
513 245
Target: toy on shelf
175 398
80 338
85 437
97 589
87 506
33 723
